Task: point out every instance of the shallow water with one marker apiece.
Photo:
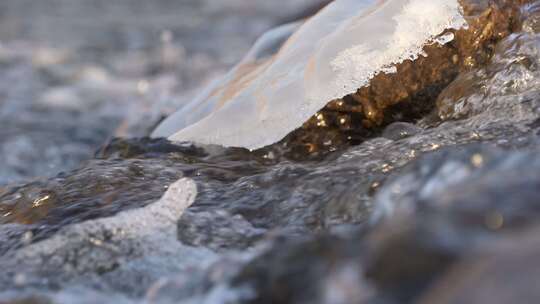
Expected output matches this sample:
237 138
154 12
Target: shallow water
74 74
460 179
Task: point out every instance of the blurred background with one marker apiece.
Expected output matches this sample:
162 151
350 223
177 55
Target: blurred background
75 73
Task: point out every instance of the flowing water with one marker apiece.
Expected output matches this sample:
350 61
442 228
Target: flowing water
374 222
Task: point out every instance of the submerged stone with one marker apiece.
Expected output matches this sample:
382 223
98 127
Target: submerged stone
512 74
435 228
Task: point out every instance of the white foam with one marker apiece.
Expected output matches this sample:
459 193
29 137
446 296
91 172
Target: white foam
132 244
330 56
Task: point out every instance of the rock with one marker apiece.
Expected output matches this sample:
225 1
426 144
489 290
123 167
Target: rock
398 260
512 72
217 230
506 272
310 271
103 188
400 130
445 206
411 92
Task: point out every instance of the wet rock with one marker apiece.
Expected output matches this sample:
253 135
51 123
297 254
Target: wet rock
411 92
298 199
399 130
507 272
308 271
531 13
445 206
201 287
485 189
84 296
145 148
399 259
217 230
513 71
28 300
103 188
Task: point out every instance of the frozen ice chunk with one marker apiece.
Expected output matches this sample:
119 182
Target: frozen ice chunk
330 56
222 90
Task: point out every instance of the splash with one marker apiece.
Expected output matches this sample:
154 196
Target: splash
132 242
329 56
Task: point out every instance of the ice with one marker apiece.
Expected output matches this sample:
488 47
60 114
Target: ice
138 246
330 56
208 101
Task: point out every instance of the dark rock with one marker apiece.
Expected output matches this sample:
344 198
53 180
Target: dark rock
102 188
308 271
400 130
445 206
433 227
145 148
217 230
516 59
507 272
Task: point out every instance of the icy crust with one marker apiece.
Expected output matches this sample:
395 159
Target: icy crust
414 25
222 90
330 56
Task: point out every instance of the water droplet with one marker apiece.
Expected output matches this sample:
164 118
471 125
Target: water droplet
477 160
494 220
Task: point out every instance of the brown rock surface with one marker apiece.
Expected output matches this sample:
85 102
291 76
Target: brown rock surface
412 91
